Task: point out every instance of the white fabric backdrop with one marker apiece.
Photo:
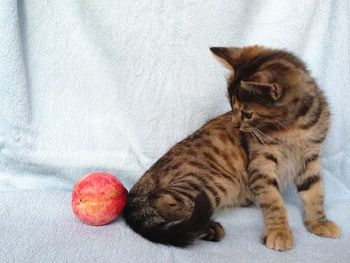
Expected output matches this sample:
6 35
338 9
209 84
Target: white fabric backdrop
111 85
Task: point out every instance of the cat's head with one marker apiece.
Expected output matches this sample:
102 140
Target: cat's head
265 88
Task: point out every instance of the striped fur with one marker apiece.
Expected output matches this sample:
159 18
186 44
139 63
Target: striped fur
273 136
172 203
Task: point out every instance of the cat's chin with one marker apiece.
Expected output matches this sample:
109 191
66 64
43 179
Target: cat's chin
245 130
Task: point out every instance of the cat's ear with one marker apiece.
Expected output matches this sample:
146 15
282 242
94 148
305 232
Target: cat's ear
227 56
273 90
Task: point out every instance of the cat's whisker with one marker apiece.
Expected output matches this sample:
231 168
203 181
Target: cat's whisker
280 123
264 135
254 135
260 138
279 127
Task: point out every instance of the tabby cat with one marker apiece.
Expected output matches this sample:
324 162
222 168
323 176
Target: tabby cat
272 136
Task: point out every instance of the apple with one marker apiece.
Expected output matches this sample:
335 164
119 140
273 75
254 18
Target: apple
98 198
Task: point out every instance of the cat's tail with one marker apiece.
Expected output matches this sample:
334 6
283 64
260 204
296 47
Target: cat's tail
144 219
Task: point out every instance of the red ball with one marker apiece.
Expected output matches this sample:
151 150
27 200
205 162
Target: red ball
98 198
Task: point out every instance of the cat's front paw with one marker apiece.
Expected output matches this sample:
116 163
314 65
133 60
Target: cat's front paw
278 239
325 228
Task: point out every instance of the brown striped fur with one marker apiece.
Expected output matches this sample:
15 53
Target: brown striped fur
273 136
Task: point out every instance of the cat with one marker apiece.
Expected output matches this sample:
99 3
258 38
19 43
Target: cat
273 136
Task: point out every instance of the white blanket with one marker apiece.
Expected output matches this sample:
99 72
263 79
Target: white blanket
39 227
110 85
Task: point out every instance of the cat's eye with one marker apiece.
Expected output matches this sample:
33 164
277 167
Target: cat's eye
247 115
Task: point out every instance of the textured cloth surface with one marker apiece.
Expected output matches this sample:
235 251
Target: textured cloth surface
40 227
111 85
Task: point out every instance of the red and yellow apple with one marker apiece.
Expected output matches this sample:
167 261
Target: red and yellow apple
98 198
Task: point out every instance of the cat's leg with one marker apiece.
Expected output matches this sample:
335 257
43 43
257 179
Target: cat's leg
215 232
263 184
310 188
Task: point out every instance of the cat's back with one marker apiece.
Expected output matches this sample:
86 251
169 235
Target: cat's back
213 159
216 148
216 141
177 195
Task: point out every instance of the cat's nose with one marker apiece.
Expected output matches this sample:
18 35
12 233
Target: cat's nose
238 125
